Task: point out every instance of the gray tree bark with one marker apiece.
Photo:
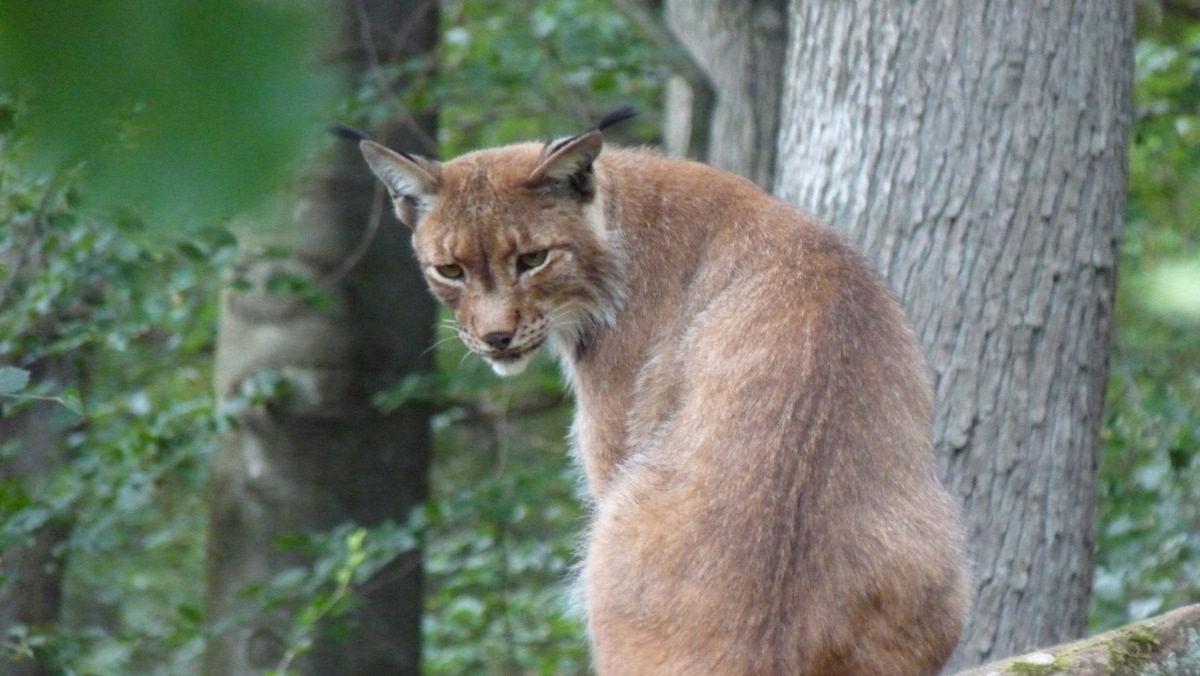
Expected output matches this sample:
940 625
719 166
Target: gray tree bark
976 153
740 45
322 454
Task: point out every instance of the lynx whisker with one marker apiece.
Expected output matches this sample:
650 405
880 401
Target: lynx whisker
436 344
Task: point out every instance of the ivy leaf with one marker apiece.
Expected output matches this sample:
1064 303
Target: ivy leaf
12 379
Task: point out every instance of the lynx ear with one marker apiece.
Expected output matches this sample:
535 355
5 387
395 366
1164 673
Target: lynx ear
412 181
569 162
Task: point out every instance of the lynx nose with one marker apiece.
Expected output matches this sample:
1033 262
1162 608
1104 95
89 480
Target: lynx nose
498 340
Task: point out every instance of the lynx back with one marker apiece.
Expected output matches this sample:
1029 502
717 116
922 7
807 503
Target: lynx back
753 410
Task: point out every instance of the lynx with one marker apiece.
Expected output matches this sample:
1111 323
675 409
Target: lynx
753 410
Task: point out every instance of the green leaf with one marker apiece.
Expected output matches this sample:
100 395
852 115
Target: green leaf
71 401
12 379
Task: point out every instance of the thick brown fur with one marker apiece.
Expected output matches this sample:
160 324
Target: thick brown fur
753 410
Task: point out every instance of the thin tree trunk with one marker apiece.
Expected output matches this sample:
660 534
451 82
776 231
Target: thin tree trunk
976 152
322 454
31 576
740 45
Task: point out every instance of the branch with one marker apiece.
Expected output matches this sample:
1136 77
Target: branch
429 145
1167 644
655 31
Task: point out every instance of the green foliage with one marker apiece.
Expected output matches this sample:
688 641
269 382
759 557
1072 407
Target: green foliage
12 380
541 68
135 324
136 315
498 532
500 555
345 559
190 110
506 508
500 552
1148 556
1164 184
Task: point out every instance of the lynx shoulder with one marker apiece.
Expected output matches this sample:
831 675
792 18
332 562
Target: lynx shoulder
753 410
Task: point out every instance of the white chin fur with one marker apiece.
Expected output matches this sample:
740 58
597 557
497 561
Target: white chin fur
512 367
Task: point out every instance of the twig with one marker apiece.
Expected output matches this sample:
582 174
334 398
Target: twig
429 144
373 222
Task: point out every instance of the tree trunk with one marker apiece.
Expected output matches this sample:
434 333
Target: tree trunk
358 320
740 45
976 152
31 577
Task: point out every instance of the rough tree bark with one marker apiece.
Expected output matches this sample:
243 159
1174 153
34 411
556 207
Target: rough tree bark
976 152
323 454
740 45
1168 644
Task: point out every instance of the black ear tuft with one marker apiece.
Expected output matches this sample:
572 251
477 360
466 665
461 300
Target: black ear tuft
614 117
349 133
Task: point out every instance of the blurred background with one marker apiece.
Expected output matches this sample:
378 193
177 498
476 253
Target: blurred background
143 145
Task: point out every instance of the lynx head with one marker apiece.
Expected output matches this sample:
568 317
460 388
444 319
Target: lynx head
514 240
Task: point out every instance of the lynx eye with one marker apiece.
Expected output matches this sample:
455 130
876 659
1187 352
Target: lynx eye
532 260
450 271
